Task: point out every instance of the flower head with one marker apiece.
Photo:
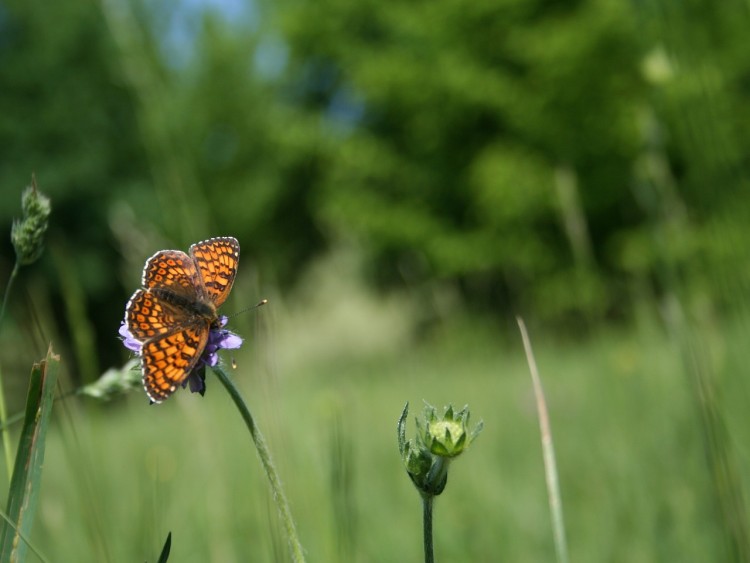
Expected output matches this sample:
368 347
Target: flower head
218 338
448 436
438 441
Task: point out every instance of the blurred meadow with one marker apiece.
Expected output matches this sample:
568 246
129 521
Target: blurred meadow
404 180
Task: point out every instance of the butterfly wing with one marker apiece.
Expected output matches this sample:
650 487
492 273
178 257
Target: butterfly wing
147 316
173 270
217 260
169 358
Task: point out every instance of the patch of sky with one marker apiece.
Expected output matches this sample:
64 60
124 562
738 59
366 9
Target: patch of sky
179 24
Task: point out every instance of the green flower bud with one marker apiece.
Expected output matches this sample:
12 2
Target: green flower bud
27 234
449 436
438 441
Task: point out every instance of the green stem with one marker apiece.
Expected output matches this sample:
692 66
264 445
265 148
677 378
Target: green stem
265 457
4 435
427 501
13 274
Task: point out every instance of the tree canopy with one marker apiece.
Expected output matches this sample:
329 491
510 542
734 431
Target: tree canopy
526 153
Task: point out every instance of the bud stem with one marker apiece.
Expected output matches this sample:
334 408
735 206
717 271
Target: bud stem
427 501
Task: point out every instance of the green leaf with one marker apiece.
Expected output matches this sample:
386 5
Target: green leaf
27 474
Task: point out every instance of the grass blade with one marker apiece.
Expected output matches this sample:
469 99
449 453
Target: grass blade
27 474
166 549
548 450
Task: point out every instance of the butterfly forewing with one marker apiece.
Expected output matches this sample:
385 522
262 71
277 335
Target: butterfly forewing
173 270
147 316
217 260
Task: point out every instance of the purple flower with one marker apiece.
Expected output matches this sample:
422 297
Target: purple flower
128 340
218 338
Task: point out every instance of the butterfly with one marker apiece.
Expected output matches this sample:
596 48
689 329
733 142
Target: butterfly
174 315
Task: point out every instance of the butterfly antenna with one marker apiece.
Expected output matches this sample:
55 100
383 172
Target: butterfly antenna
260 304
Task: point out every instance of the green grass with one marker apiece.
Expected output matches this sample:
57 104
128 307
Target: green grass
633 475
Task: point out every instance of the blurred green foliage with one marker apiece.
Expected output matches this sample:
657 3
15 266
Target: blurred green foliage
544 157
470 112
574 161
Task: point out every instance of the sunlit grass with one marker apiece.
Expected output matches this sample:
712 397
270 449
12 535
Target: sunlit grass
119 476
632 470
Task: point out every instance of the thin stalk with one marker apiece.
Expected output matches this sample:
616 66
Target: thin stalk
13 274
427 501
548 451
32 547
265 458
4 435
18 417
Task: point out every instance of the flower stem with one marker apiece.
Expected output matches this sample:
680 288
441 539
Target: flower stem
265 457
4 435
427 501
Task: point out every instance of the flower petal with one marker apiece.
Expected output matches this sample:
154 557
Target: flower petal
231 341
127 339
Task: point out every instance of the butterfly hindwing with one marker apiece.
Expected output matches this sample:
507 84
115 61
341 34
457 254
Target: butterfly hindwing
168 359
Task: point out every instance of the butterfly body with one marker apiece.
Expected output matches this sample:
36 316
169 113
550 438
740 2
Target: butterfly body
200 308
173 314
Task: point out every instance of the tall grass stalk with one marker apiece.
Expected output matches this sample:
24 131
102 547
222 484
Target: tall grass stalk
25 485
341 485
548 450
657 191
722 461
282 504
27 236
4 435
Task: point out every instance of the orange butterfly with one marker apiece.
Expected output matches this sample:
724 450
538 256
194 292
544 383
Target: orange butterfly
173 321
